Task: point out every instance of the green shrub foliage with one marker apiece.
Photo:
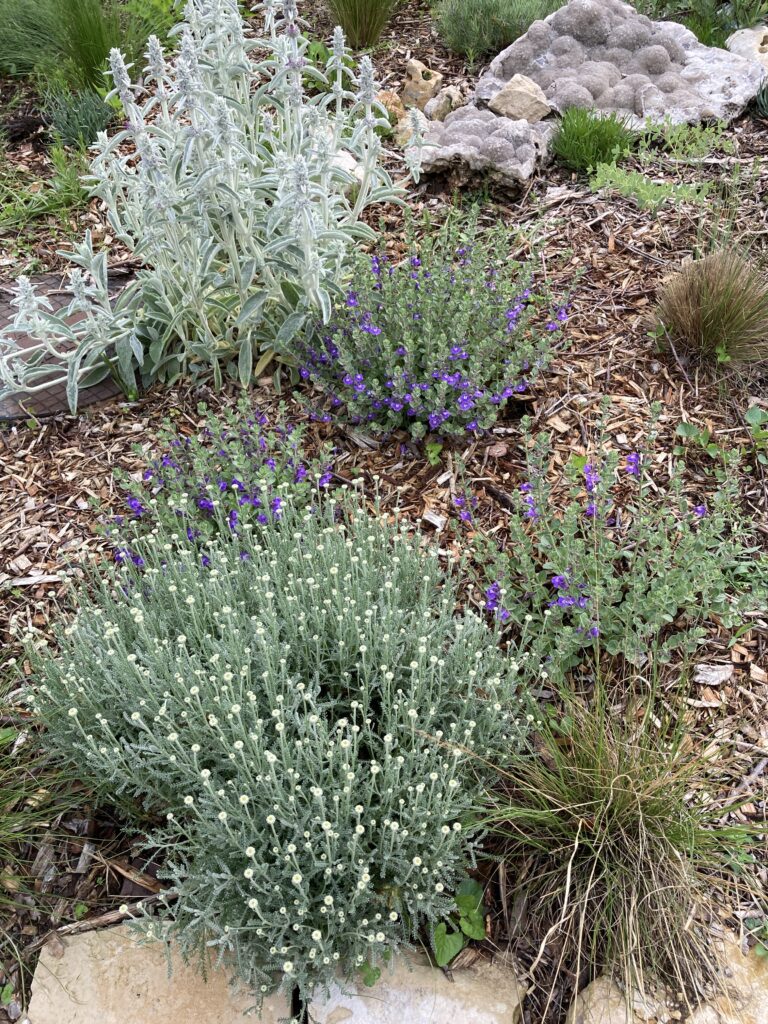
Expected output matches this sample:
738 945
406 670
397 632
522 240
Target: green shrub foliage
438 342
481 27
620 571
68 41
236 473
302 713
76 118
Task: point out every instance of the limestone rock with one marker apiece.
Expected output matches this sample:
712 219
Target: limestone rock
603 55
106 977
421 84
746 1001
447 100
392 103
751 43
416 993
474 141
603 1002
521 99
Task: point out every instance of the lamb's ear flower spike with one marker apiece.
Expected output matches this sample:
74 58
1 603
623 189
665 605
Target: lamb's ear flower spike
217 137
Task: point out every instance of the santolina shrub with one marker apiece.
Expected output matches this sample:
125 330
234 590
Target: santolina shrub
619 570
436 343
303 713
236 474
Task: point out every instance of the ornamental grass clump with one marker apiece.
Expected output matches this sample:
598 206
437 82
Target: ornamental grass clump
238 473
241 197
584 140
437 343
308 719
616 569
621 866
362 20
715 310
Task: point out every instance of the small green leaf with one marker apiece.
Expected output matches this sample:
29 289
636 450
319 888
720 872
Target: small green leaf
473 925
6 994
433 450
469 895
446 944
687 430
290 328
81 909
369 974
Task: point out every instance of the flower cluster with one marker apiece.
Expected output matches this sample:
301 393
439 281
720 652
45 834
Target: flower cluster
634 577
438 343
236 475
303 721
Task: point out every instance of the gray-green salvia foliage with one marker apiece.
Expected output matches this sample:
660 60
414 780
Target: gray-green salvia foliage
304 715
243 204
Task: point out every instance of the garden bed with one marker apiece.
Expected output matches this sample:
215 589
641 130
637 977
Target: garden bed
603 258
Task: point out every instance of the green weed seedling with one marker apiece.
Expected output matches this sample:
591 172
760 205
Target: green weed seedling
466 922
757 419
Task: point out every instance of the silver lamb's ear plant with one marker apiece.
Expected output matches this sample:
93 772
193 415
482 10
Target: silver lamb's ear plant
243 203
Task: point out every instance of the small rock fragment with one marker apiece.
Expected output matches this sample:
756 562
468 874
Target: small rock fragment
447 100
392 103
421 84
521 99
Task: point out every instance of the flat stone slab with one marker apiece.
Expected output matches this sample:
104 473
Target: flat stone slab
417 993
51 400
106 977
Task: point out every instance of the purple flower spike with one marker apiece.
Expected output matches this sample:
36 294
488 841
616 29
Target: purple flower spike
700 511
492 595
633 464
591 477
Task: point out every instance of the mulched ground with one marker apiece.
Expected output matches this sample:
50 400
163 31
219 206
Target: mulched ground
608 258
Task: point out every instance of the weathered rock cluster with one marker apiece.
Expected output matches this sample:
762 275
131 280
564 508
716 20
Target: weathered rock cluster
597 54
602 54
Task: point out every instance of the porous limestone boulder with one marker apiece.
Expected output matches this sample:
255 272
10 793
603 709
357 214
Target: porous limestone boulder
421 84
472 141
417 993
751 43
447 100
521 99
603 55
